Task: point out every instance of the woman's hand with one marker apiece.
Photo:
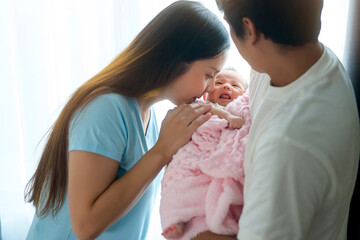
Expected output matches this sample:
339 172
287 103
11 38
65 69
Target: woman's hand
178 126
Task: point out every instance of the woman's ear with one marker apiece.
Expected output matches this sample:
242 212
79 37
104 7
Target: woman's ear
250 30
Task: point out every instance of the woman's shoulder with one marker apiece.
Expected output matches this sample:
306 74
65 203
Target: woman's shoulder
110 102
114 98
106 106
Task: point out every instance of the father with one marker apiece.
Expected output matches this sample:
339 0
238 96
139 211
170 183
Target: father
303 147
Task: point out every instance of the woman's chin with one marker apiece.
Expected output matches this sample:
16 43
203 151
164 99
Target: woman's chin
192 100
180 102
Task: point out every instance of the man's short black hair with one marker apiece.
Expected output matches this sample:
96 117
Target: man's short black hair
289 22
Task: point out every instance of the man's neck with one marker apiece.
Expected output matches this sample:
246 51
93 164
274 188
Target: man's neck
288 65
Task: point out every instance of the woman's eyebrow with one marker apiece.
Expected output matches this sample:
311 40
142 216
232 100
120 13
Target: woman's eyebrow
215 69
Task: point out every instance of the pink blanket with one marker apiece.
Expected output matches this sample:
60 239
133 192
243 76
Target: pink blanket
203 184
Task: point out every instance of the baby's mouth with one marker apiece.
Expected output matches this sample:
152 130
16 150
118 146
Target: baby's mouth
225 96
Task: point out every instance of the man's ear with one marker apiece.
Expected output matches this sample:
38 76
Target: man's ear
250 30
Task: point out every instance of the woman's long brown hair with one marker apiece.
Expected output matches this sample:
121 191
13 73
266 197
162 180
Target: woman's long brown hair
180 34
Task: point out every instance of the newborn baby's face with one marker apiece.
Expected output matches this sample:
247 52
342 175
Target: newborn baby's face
228 86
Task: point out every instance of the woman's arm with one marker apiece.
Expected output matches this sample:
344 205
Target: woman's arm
96 201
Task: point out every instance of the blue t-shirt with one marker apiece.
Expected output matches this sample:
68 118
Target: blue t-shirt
109 125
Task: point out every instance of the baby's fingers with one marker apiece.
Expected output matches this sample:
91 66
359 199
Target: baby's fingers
236 123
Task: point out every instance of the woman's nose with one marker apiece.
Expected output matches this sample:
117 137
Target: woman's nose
210 86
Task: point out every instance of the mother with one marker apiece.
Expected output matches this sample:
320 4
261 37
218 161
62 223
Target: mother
96 177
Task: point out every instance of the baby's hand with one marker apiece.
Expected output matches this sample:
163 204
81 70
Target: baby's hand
235 121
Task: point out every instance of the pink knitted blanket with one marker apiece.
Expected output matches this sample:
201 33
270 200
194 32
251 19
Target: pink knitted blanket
203 184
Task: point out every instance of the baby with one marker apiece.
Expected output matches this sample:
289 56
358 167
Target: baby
229 85
193 176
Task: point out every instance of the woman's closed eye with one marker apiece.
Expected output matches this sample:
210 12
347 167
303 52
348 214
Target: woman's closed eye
209 76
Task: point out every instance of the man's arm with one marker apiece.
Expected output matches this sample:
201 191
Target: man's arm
212 236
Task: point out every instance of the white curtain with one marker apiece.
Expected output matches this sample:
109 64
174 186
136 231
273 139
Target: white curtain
50 47
47 49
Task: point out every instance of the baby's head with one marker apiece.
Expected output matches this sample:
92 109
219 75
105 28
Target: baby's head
229 84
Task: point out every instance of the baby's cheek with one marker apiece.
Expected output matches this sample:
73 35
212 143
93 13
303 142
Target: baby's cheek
209 96
236 94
